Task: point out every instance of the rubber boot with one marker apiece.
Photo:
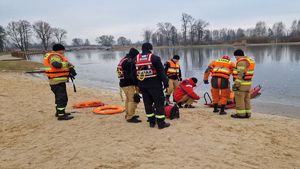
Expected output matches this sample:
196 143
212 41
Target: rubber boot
222 111
151 121
168 100
56 114
61 115
216 110
162 124
179 104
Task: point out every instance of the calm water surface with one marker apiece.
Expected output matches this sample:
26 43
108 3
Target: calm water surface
277 70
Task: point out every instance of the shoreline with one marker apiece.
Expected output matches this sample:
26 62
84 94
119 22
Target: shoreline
31 137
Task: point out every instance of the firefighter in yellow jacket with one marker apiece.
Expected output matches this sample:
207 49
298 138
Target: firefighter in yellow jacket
242 75
221 69
173 72
58 71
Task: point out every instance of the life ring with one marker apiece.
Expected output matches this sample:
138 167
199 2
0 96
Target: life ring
90 103
107 110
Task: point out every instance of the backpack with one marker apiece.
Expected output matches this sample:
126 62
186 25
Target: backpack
172 111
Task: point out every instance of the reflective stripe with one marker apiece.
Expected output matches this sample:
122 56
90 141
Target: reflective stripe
248 111
241 112
242 82
61 108
60 78
245 83
150 115
160 116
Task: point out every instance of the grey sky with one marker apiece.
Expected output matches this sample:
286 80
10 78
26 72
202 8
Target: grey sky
91 18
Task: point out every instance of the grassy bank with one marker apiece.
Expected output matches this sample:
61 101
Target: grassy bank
19 66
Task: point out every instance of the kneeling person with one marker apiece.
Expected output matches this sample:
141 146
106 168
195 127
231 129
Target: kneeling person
184 93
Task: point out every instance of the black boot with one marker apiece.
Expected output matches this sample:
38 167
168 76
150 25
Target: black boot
134 119
151 121
179 104
222 111
216 110
56 114
61 115
162 124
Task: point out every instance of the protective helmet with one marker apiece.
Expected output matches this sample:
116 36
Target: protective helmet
238 52
226 57
58 47
176 57
147 46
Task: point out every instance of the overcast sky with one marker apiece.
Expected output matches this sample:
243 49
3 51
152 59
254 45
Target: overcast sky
92 18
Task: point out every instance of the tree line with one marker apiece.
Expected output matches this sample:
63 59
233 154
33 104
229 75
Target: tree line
20 34
23 35
195 32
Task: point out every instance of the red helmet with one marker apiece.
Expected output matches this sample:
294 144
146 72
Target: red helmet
226 57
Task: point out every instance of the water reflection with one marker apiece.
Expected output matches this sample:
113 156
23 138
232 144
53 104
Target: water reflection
277 67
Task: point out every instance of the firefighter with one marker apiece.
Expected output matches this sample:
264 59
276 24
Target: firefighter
184 94
128 84
151 82
58 71
173 72
242 75
220 70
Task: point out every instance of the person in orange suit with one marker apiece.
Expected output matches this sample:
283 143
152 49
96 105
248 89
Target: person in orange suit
220 70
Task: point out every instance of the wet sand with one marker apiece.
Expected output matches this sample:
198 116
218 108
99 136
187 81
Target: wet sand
31 137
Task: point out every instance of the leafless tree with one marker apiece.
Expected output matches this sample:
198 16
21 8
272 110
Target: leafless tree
260 29
186 21
105 40
59 34
44 32
77 42
147 35
2 38
123 41
165 28
87 42
278 30
19 33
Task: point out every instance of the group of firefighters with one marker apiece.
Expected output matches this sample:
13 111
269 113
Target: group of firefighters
143 73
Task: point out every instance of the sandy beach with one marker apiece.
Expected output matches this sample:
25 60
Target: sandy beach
31 137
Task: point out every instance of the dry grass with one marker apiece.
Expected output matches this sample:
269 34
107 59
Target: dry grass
19 66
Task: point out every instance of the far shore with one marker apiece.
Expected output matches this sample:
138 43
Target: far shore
124 48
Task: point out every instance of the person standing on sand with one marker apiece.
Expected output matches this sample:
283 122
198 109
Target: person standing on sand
58 71
172 70
151 81
242 75
128 84
221 69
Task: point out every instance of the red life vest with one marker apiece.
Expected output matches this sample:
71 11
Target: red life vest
120 69
144 67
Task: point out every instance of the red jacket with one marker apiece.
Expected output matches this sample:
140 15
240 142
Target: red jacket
185 87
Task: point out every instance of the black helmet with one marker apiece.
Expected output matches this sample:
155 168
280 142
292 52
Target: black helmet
147 46
195 80
58 47
238 52
176 57
133 52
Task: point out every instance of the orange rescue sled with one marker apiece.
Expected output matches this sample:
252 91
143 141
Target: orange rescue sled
108 110
255 92
86 104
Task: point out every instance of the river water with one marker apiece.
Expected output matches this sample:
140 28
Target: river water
277 70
